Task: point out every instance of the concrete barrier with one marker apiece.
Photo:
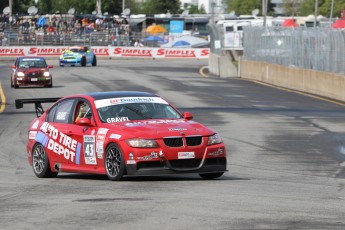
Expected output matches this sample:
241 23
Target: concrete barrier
330 85
223 66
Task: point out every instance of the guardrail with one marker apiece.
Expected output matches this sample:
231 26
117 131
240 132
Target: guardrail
108 52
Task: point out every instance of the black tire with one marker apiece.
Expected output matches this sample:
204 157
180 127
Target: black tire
114 162
15 84
94 61
51 84
210 176
83 61
12 83
40 162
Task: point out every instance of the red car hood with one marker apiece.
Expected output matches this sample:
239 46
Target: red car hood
157 129
31 70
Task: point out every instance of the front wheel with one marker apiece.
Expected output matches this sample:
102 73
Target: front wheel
114 162
94 61
83 61
210 176
15 84
40 162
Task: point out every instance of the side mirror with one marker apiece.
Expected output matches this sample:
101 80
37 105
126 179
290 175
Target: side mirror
50 66
83 121
188 115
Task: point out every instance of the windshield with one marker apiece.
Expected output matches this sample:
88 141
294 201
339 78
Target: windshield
77 50
135 111
32 63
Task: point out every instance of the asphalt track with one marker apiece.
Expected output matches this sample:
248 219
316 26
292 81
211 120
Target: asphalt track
286 157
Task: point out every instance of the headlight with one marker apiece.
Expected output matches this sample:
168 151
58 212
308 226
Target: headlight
46 74
142 143
20 74
214 139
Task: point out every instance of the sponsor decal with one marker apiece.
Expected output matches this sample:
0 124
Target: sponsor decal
32 135
185 155
89 150
174 53
11 51
127 100
117 119
216 153
115 136
177 129
100 138
155 122
59 143
153 155
132 52
101 51
131 162
61 116
35 124
32 59
46 51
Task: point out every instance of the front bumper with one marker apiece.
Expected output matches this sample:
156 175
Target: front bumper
41 81
69 61
209 165
211 159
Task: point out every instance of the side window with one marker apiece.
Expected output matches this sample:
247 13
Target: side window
51 114
83 109
61 113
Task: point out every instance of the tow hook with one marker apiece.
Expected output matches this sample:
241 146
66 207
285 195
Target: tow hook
161 156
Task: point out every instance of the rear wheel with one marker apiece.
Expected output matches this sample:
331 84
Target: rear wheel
83 61
94 61
40 162
12 83
114 162
210 176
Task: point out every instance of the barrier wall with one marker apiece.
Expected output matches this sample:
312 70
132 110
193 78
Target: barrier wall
108 51
320 83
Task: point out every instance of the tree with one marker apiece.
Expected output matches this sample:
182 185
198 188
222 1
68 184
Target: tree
325 8
161 6
307 7
193 9
243 7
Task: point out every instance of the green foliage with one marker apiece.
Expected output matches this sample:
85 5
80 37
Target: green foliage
325 8
243 7
193 9
160 6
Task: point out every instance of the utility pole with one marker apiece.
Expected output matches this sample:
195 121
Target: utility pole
10 6
331 15
264 11
123 5
315 14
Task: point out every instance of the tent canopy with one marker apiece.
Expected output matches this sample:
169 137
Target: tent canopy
155 29
339 24
289 23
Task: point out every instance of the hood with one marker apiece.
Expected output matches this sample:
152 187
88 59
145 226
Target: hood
32 70
159 128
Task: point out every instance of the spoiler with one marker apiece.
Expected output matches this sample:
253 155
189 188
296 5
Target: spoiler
38 103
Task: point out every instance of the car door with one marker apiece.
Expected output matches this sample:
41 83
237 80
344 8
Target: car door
60 146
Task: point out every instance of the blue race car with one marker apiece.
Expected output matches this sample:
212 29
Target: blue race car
78 55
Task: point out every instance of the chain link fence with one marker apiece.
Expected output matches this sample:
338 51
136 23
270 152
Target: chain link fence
321 49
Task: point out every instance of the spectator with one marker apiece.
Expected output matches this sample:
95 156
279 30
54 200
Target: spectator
137 43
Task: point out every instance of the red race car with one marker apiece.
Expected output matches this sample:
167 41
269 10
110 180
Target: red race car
31 71
120 134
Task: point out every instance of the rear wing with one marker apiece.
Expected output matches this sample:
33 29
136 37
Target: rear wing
38 103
